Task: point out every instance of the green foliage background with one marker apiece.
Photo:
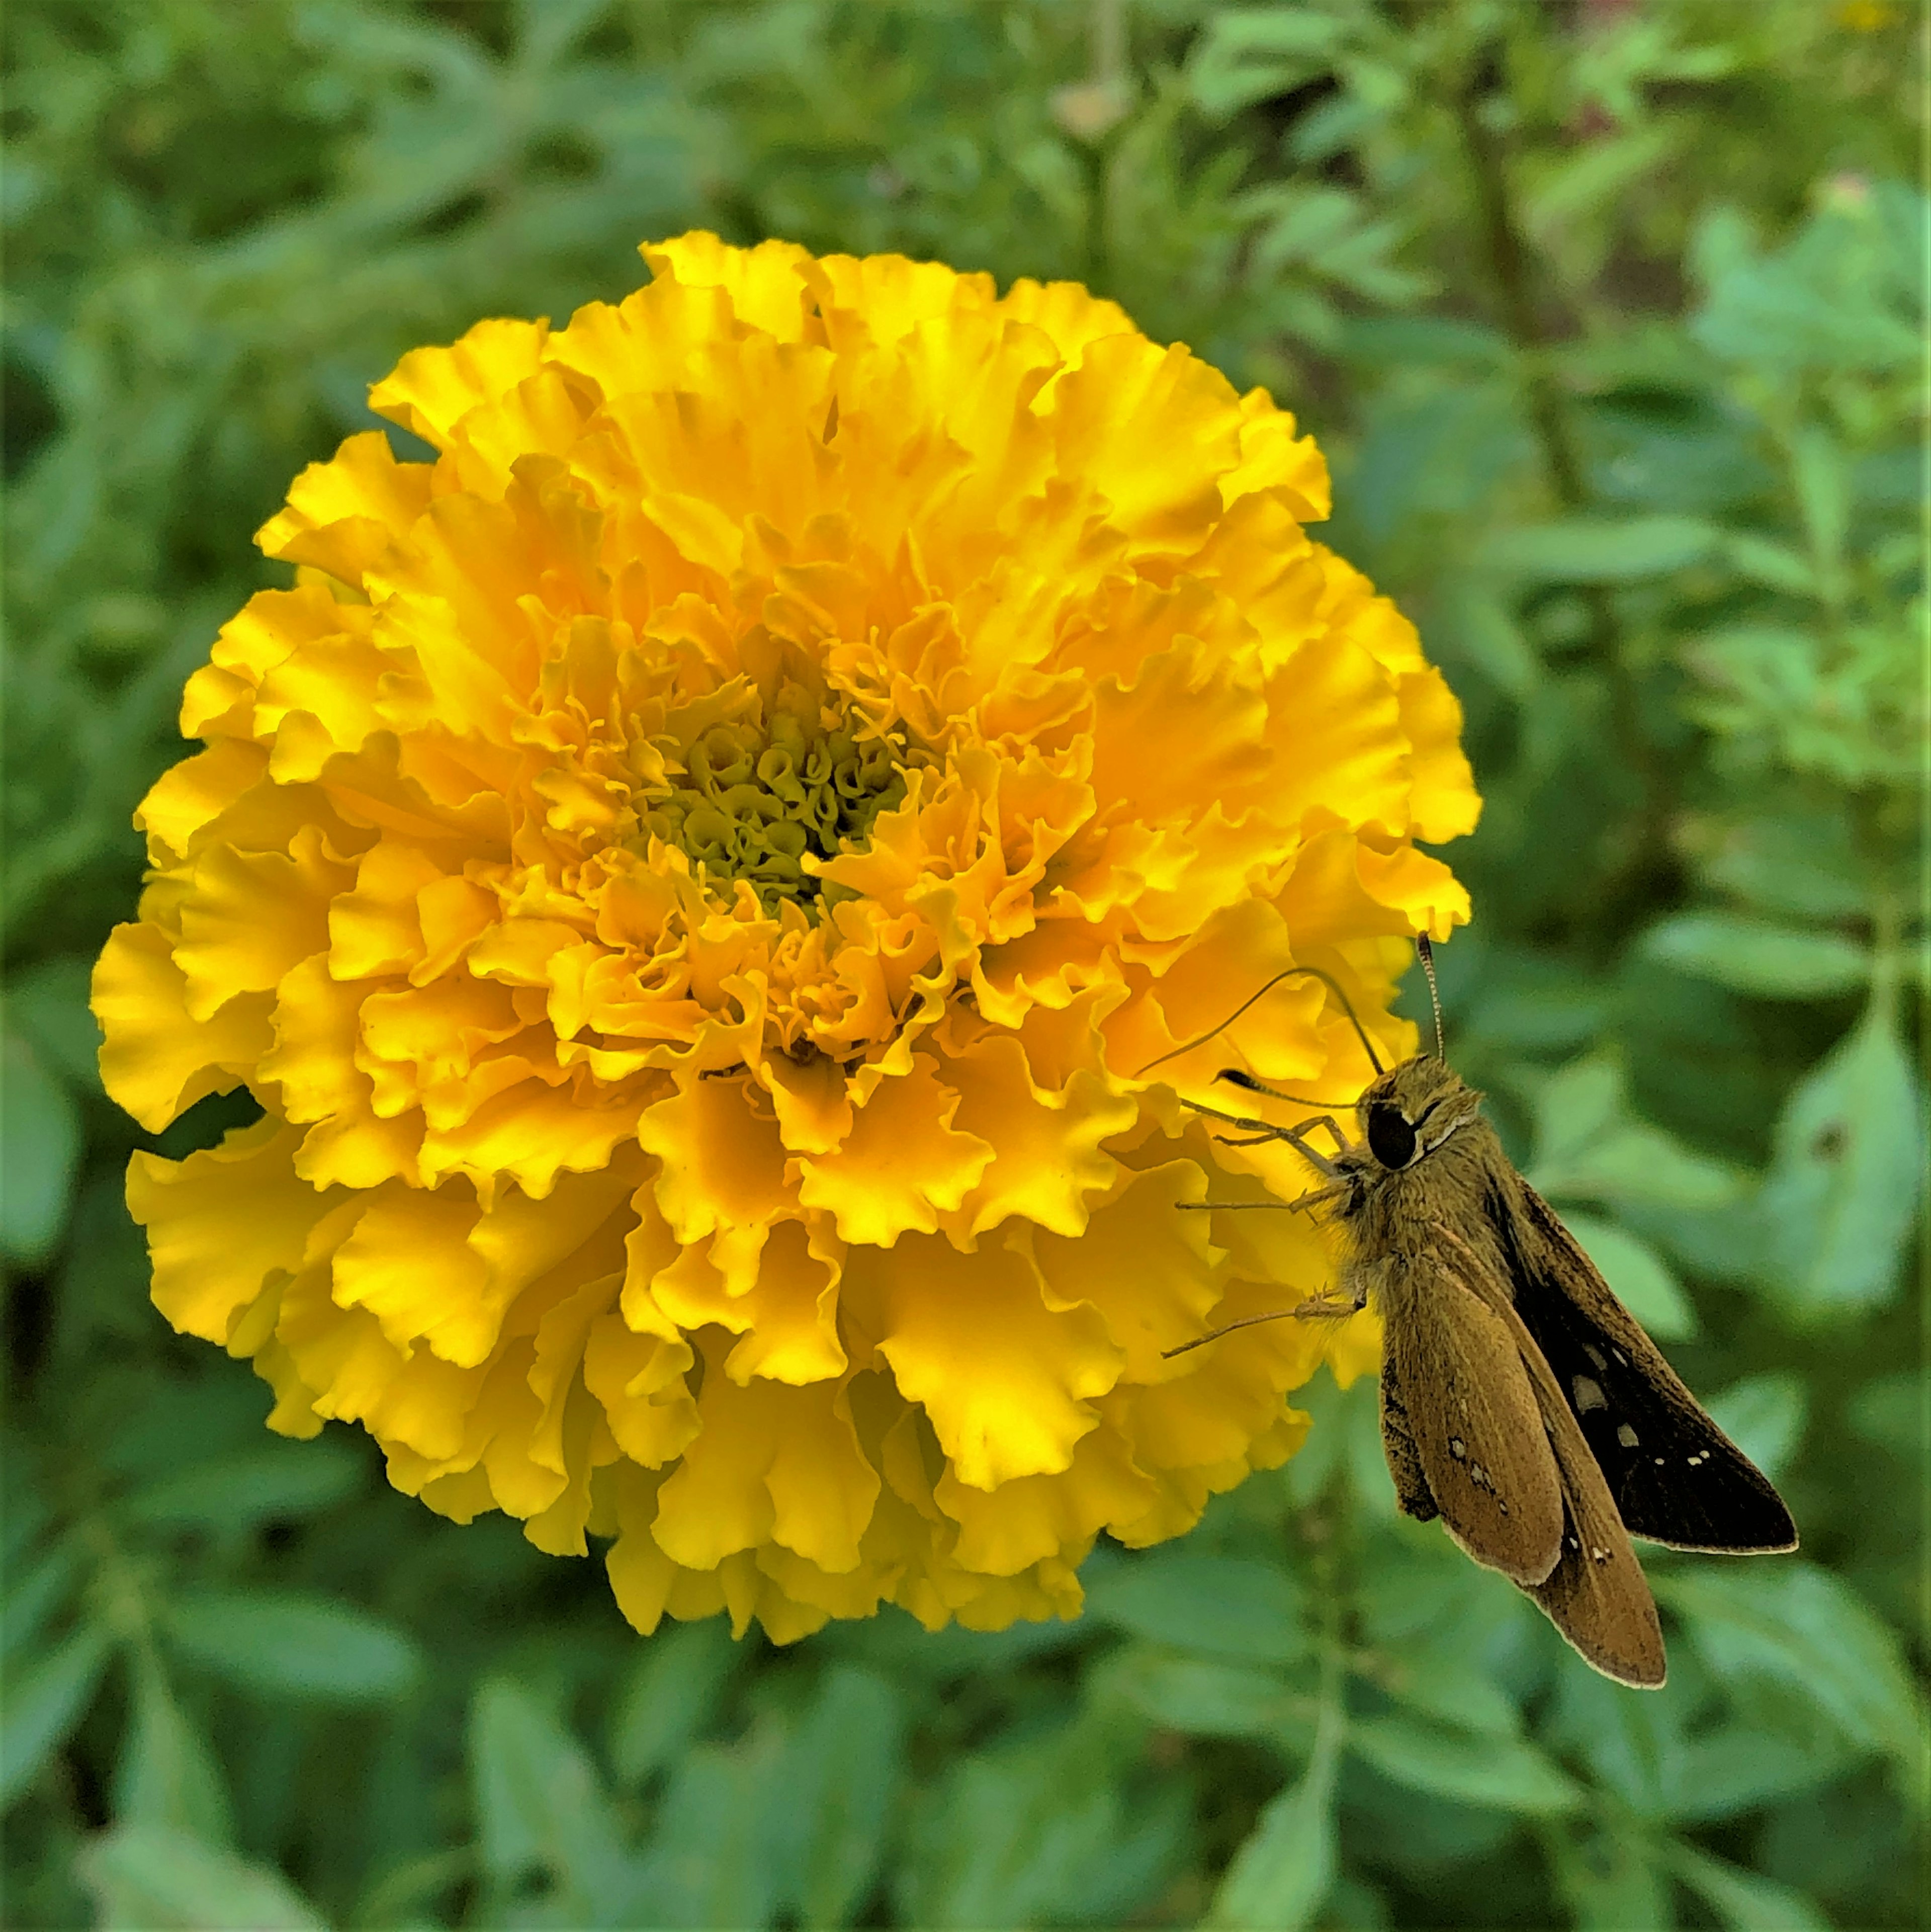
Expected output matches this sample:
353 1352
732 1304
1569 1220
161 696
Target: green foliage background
1609 316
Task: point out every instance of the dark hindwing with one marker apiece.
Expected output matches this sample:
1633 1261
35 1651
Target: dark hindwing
1675 1478
1398 1444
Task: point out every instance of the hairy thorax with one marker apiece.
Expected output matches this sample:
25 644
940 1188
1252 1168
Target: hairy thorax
1399 1222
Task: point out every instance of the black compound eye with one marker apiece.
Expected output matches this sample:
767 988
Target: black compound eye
1391 1140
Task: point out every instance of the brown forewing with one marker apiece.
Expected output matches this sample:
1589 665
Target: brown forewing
1473 1417
1597 1595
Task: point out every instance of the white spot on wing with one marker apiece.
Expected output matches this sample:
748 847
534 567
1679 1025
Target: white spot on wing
1588 1395
1626 1435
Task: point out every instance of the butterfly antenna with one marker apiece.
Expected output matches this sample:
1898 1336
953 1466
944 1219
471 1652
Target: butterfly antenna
1424 952
1326 979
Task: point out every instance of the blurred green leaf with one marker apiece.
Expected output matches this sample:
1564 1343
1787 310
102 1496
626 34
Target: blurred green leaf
1894 1412
1583 549
1841 293
1638 1276
1791 1621
1802 864
541 1808
1039 1830
1841 1196
1753 956
668 1695
1283 1871
168 1779
1610 1881
1764 1415
1742 1901
1216 1605
35 1593
288 1643
40 1704
718 1857
1203 1698
1249 53
40 1149
239 1492
1738 1768
47 1005
1475 1768
1769 564
1590 1146
145 1878
841 1777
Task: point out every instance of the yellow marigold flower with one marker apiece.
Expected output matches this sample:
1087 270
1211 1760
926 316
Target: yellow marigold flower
692 875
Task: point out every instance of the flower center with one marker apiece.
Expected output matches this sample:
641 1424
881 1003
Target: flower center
756 797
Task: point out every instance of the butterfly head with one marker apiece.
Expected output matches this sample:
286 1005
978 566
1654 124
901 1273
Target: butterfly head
1412 1109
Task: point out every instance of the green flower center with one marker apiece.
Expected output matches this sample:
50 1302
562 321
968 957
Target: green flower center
757 796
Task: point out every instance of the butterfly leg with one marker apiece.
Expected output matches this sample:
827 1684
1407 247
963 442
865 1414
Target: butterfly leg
1265 1130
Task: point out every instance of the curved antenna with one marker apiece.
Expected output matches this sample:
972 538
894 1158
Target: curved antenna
1328 979
1234 1076
1424 952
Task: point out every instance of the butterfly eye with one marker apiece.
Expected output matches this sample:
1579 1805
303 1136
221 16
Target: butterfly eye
1391 1139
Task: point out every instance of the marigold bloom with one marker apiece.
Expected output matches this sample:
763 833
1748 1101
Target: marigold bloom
690 876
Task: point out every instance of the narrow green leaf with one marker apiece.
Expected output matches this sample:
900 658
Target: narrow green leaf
1799 1625
1590 1146
1283 1871
1743 1901
1769 564
148 1879
1217 1605
1638 1276
1611 1880
1202 1698
47 1004
167 1777
34 1598
286 1643
1601 550
1754 956
1249 53
40 1705
1506 1774
238 1492
842 1776
716 1857
669 1696
1841 1198
1742 1767
39 1146
541 1806
1764 1415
